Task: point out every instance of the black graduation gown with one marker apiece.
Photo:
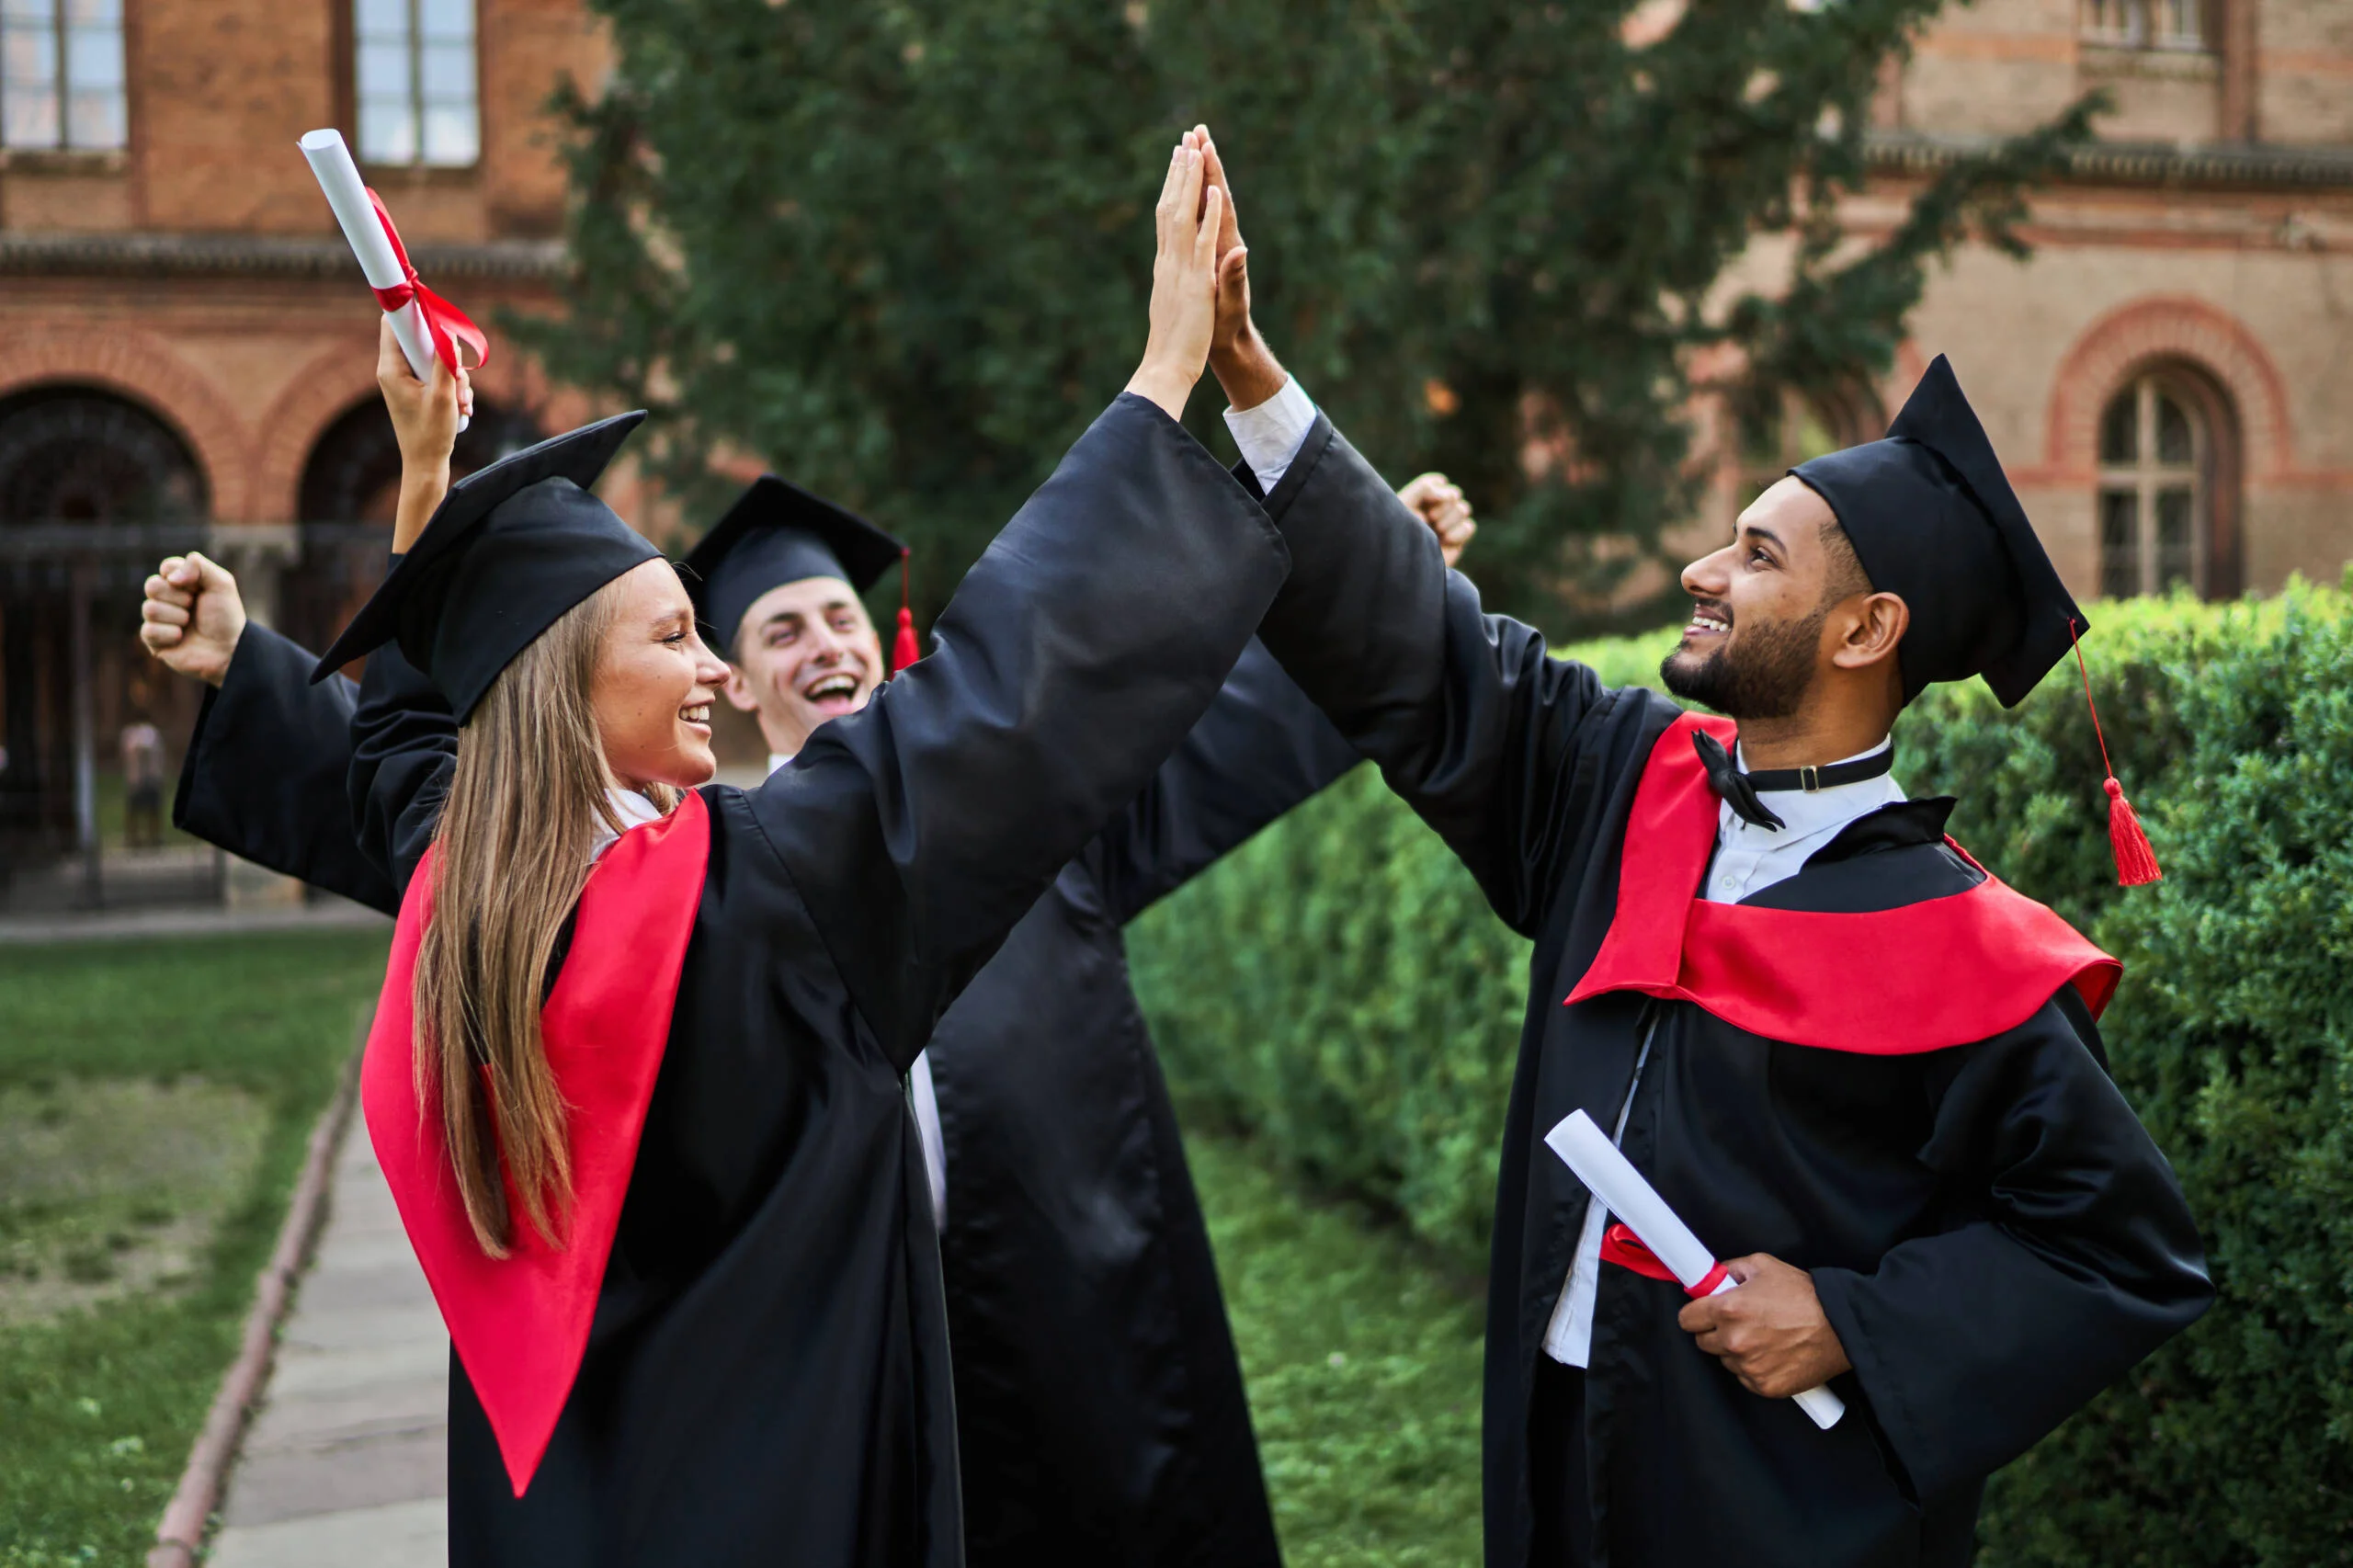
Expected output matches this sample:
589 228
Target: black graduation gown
767 1377
1992 1234
1099 1404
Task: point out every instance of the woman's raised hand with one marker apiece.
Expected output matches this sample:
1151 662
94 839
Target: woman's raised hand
1184 284
425 423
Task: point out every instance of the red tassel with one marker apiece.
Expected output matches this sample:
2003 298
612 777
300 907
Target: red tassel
2136 862
904 649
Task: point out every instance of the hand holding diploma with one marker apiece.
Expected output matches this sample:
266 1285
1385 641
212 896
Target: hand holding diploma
429 328
1771 1333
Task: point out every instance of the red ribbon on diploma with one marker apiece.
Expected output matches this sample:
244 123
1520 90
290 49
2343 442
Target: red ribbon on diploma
1622 1247
446 325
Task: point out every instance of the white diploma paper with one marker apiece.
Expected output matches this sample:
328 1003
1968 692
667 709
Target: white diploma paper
1618 1187
339 179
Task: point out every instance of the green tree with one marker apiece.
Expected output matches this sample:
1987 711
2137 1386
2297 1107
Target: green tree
900 251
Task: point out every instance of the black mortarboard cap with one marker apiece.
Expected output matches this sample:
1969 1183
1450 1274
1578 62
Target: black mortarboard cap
509 550
1933 520
778 533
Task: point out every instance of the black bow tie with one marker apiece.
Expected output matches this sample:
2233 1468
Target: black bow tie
1740 789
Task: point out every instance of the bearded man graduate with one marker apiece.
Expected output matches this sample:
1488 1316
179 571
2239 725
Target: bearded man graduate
1857 1065
1100 1406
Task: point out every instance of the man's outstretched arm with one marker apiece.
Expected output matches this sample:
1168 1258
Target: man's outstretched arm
1473 723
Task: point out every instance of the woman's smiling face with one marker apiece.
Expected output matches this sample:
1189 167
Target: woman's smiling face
805 651
654 683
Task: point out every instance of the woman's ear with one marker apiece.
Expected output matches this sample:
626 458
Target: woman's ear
1877 625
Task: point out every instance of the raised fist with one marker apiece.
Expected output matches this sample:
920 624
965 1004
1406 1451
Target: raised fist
192 617
1438 502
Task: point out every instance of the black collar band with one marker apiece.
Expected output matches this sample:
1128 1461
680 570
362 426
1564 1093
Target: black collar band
1809 779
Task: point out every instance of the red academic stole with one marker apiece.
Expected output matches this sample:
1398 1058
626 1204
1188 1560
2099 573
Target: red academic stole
1937 973
520 1323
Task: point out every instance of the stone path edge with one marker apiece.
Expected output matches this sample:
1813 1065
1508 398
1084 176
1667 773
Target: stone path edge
180 1536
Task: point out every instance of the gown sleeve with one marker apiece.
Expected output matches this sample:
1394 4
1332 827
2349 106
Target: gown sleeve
1473 723
265 770
2080 1258
403 747
1084 644
1261 749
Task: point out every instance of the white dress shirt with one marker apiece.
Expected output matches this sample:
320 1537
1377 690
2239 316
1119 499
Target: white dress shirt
1748 860
633 809
1271 433
925 1097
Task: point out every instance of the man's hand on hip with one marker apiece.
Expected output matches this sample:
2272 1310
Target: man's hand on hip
1770 1332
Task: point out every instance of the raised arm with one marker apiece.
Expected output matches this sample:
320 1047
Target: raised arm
1080 650
1473 723
264 774
403 736
2080 1234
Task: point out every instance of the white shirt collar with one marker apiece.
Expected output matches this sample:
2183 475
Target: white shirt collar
778 759
633 809
1805 813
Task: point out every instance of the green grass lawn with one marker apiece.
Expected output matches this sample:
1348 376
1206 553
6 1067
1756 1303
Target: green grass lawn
148 1091
1363 1367
1363 1363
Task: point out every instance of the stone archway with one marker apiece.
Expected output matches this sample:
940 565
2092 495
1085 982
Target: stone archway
93 488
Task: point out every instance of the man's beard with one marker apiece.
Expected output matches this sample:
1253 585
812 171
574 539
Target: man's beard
1764 675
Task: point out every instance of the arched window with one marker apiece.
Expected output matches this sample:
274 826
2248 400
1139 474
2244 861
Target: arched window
93 489
2163 472
349 488
73 456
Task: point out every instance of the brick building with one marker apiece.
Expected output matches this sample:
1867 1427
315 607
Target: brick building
186 354
2170 377
186 350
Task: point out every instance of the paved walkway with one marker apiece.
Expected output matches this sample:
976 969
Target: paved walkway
344 1465
197 920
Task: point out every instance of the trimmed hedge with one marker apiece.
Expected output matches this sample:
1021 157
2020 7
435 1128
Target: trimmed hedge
1338 986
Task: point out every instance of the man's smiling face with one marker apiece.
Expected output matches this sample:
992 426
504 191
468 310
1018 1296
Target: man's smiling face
805 651
1754 645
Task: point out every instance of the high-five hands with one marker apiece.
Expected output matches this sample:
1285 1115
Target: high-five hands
1771 1333
1245 366
1438 502
1184 293
192 617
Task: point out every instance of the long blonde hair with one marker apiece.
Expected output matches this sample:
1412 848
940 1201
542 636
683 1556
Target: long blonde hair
516 833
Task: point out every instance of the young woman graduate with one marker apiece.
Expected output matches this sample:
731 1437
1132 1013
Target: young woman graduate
643 1110
1863 1072
1100 1412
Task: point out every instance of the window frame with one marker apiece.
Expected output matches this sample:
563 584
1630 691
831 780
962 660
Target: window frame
2137 28
2148 476
416 100
62 28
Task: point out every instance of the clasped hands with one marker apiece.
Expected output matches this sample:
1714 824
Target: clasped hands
1771 1333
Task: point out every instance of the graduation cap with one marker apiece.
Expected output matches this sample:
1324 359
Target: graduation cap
778 533
509 550
1933 519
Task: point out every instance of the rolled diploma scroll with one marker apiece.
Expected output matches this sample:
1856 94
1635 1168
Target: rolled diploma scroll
339 179
1619 1189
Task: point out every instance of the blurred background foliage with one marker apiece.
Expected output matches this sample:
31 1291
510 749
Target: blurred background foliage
899 252
1339 986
